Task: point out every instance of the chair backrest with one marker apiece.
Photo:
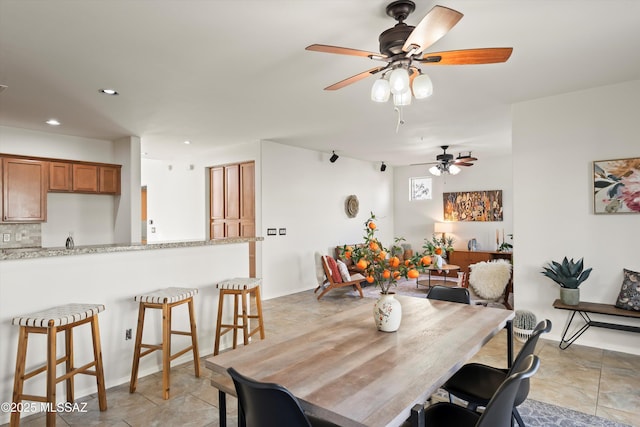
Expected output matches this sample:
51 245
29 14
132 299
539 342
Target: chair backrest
450 293
327 269
267 404
521 359
499 410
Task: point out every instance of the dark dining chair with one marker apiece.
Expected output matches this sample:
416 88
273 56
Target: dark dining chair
476 383
270 405
450 293
498 411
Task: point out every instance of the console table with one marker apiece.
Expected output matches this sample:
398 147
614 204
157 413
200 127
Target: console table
583 309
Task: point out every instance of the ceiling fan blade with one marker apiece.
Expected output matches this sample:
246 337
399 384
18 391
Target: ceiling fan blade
491 55
423 164
433 26
353 79
457 163
344 51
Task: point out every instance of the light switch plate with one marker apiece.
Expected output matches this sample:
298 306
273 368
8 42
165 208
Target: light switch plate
6 237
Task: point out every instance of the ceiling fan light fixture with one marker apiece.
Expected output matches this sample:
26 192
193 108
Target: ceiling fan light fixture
399 81
454 170
402 99
380 91
422 86
435 170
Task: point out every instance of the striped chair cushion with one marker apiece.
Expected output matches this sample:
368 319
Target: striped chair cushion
167 295
59 316
239 283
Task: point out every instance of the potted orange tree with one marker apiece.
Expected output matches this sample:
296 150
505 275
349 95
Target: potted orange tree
381 267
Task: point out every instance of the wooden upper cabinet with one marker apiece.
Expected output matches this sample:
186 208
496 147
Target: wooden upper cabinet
232 192
247 191
24 190
60 176
232 200
85 178
109 180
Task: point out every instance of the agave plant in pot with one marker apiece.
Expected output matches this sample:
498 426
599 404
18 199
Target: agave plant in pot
383 267
569 275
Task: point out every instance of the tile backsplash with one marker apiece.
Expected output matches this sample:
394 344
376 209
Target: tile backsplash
15 236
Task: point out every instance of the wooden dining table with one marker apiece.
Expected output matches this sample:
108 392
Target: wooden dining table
344 370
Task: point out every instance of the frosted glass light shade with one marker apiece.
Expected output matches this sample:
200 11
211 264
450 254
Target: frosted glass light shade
422 86
380 91
454 170
435 170
402 99
399 81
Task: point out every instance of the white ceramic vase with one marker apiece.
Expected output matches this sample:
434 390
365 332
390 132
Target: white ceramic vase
387 313
436 261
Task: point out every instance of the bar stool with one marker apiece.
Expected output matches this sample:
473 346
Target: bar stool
50 322
239 288
165 300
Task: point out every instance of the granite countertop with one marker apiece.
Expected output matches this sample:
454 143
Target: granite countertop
31 253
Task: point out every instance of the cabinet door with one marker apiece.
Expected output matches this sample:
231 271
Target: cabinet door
232 192
85 178
60 176
109 180
24 190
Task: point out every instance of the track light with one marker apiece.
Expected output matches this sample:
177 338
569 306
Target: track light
333 157
383 167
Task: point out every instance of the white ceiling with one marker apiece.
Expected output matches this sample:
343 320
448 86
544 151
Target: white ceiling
223 72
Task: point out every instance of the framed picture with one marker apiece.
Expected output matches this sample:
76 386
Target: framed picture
420 188
473 206
616 186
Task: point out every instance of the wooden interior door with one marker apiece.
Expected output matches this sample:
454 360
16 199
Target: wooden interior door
232 204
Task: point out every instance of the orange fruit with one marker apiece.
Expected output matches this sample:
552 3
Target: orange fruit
407 262
362 264
372 225
394 261
396 274
425 260
438 251
382 255
369 279
413 274
373 245
347 255
386 274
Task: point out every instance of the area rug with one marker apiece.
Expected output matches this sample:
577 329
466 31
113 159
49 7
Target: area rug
540 414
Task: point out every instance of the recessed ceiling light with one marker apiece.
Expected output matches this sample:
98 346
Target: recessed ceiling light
111 92
53 122
187 142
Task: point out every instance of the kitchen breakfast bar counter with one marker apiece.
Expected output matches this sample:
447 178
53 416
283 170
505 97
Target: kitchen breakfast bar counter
36 279
30 253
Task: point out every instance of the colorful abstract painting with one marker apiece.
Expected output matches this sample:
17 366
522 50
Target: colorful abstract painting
616 186
473 206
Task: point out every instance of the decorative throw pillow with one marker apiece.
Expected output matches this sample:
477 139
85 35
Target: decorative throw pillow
333 268
488 279
629 297
344 271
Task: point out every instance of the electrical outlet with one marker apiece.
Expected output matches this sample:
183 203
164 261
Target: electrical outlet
6 237
127 334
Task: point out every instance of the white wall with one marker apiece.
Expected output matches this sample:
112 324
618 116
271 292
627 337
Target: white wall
555 141
414 220
305 193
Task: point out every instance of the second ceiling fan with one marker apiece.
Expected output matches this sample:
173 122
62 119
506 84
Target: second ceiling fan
402 47
448 164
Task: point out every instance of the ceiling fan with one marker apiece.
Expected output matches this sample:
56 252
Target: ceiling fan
448 164
402 47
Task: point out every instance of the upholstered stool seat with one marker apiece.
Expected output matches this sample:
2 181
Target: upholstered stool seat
165 300
50 322
239 288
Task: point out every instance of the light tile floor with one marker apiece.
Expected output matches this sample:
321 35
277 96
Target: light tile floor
585 379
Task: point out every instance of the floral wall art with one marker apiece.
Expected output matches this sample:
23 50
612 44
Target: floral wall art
473 206
616 186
